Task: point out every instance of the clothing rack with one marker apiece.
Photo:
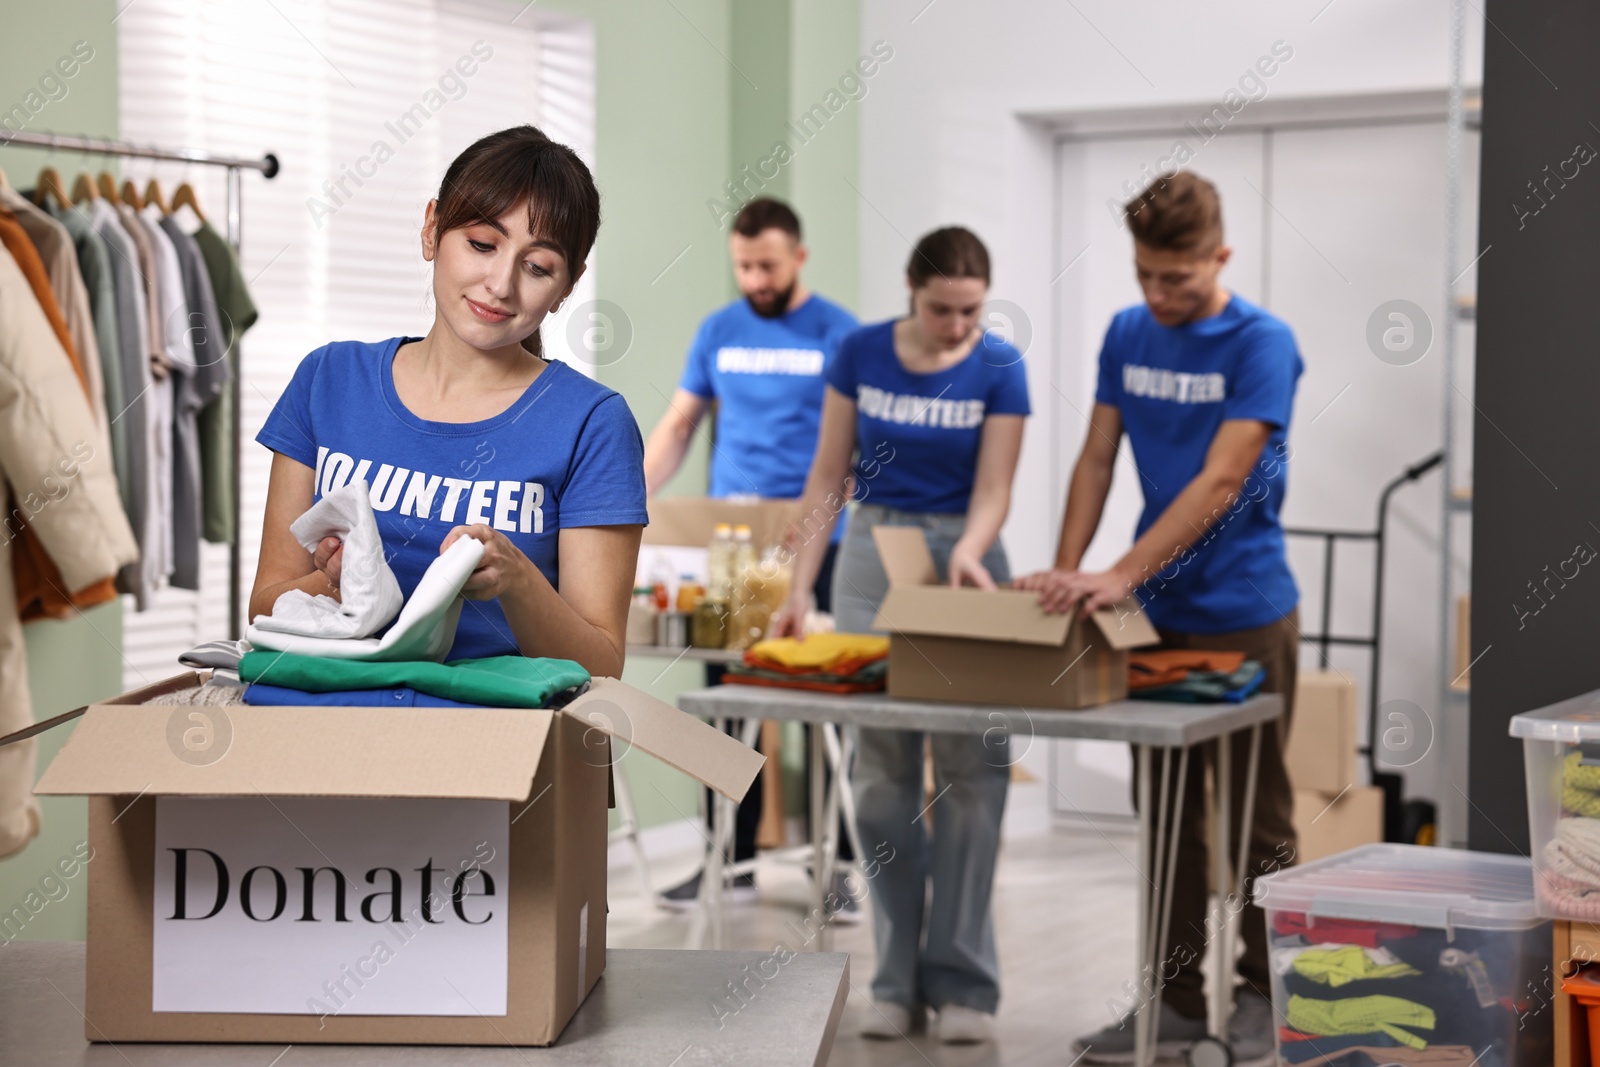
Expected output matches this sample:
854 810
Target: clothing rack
236 165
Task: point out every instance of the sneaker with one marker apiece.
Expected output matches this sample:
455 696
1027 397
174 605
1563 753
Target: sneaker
685 896
849 912
884 1020
1114 1044
1252 1030
958 1025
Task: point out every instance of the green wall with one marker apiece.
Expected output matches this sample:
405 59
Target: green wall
676 120
72 662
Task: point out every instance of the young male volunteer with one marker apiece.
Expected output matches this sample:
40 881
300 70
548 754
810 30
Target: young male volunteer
1203 383
760 360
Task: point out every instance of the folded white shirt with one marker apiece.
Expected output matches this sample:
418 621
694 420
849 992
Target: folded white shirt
369 593
425 629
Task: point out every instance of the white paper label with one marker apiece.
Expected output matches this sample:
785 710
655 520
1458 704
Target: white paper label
331 906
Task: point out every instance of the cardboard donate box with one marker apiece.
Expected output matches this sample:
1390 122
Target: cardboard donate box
996 646
356 875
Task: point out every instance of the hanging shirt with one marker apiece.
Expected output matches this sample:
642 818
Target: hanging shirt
566 454
917 435
133 346
1175 386
766 376
238 311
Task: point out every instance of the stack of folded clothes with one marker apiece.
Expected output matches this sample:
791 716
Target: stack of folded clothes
829 663
290 679
1193 676
326 651
1569 881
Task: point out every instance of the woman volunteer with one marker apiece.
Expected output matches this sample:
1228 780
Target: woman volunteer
471 432
933 408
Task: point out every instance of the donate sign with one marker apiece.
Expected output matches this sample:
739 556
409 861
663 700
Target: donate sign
331 906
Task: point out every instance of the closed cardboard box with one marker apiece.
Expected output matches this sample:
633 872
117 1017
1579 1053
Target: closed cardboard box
356 875
996 646
1325 826
691 520
1322 751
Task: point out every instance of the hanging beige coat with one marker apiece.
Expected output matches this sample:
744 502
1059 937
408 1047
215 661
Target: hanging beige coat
59 483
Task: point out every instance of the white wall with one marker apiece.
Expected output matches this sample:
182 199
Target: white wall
951 133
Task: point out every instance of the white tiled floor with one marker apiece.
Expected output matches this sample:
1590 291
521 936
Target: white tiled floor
1065 904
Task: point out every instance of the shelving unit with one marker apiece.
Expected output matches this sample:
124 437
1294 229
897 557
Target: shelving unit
1464 119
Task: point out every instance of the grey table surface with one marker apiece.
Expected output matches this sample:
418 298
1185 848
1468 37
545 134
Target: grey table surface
1141 722
653 1007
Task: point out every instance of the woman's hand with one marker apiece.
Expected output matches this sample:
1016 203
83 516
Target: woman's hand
329 559
502 567
1061 590
966 567
791 620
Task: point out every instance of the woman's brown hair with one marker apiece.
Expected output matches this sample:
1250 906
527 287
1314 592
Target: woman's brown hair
951 252
504 169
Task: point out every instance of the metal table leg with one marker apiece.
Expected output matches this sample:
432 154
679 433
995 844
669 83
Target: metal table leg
1222 962
1141 1030
1166 886
819 828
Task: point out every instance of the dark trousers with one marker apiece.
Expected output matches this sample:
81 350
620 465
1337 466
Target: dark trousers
748 821
1276 647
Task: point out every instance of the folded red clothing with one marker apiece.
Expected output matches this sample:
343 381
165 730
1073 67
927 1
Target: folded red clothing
843 669
820 687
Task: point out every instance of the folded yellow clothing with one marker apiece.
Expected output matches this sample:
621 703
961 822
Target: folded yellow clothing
1580 787
1348 963
821 651
1361 1015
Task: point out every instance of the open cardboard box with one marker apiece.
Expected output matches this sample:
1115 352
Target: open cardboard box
214 916
983 646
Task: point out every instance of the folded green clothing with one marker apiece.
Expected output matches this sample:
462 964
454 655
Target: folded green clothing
867 675
499 681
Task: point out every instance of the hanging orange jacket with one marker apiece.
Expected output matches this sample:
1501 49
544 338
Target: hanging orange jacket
40 588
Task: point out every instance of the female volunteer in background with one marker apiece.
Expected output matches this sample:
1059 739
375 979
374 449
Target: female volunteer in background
933 407
470 432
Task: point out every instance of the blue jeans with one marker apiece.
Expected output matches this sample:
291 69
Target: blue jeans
938 951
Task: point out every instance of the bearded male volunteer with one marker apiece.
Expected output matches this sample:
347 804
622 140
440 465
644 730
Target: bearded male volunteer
760 361
1202 382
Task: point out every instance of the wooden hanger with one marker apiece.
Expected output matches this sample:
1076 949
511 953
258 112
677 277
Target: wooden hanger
185 195
152 195
83 188
108 187
131 197
49 184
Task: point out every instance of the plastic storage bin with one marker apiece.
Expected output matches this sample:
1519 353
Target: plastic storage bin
1561 748
1401 948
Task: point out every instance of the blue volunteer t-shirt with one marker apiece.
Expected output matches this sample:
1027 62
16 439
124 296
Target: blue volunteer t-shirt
766 377
1175 386
917 435
566 454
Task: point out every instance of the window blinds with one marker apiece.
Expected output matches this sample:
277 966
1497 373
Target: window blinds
365 102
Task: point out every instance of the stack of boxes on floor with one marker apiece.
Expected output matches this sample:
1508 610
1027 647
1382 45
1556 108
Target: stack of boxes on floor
1333 811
